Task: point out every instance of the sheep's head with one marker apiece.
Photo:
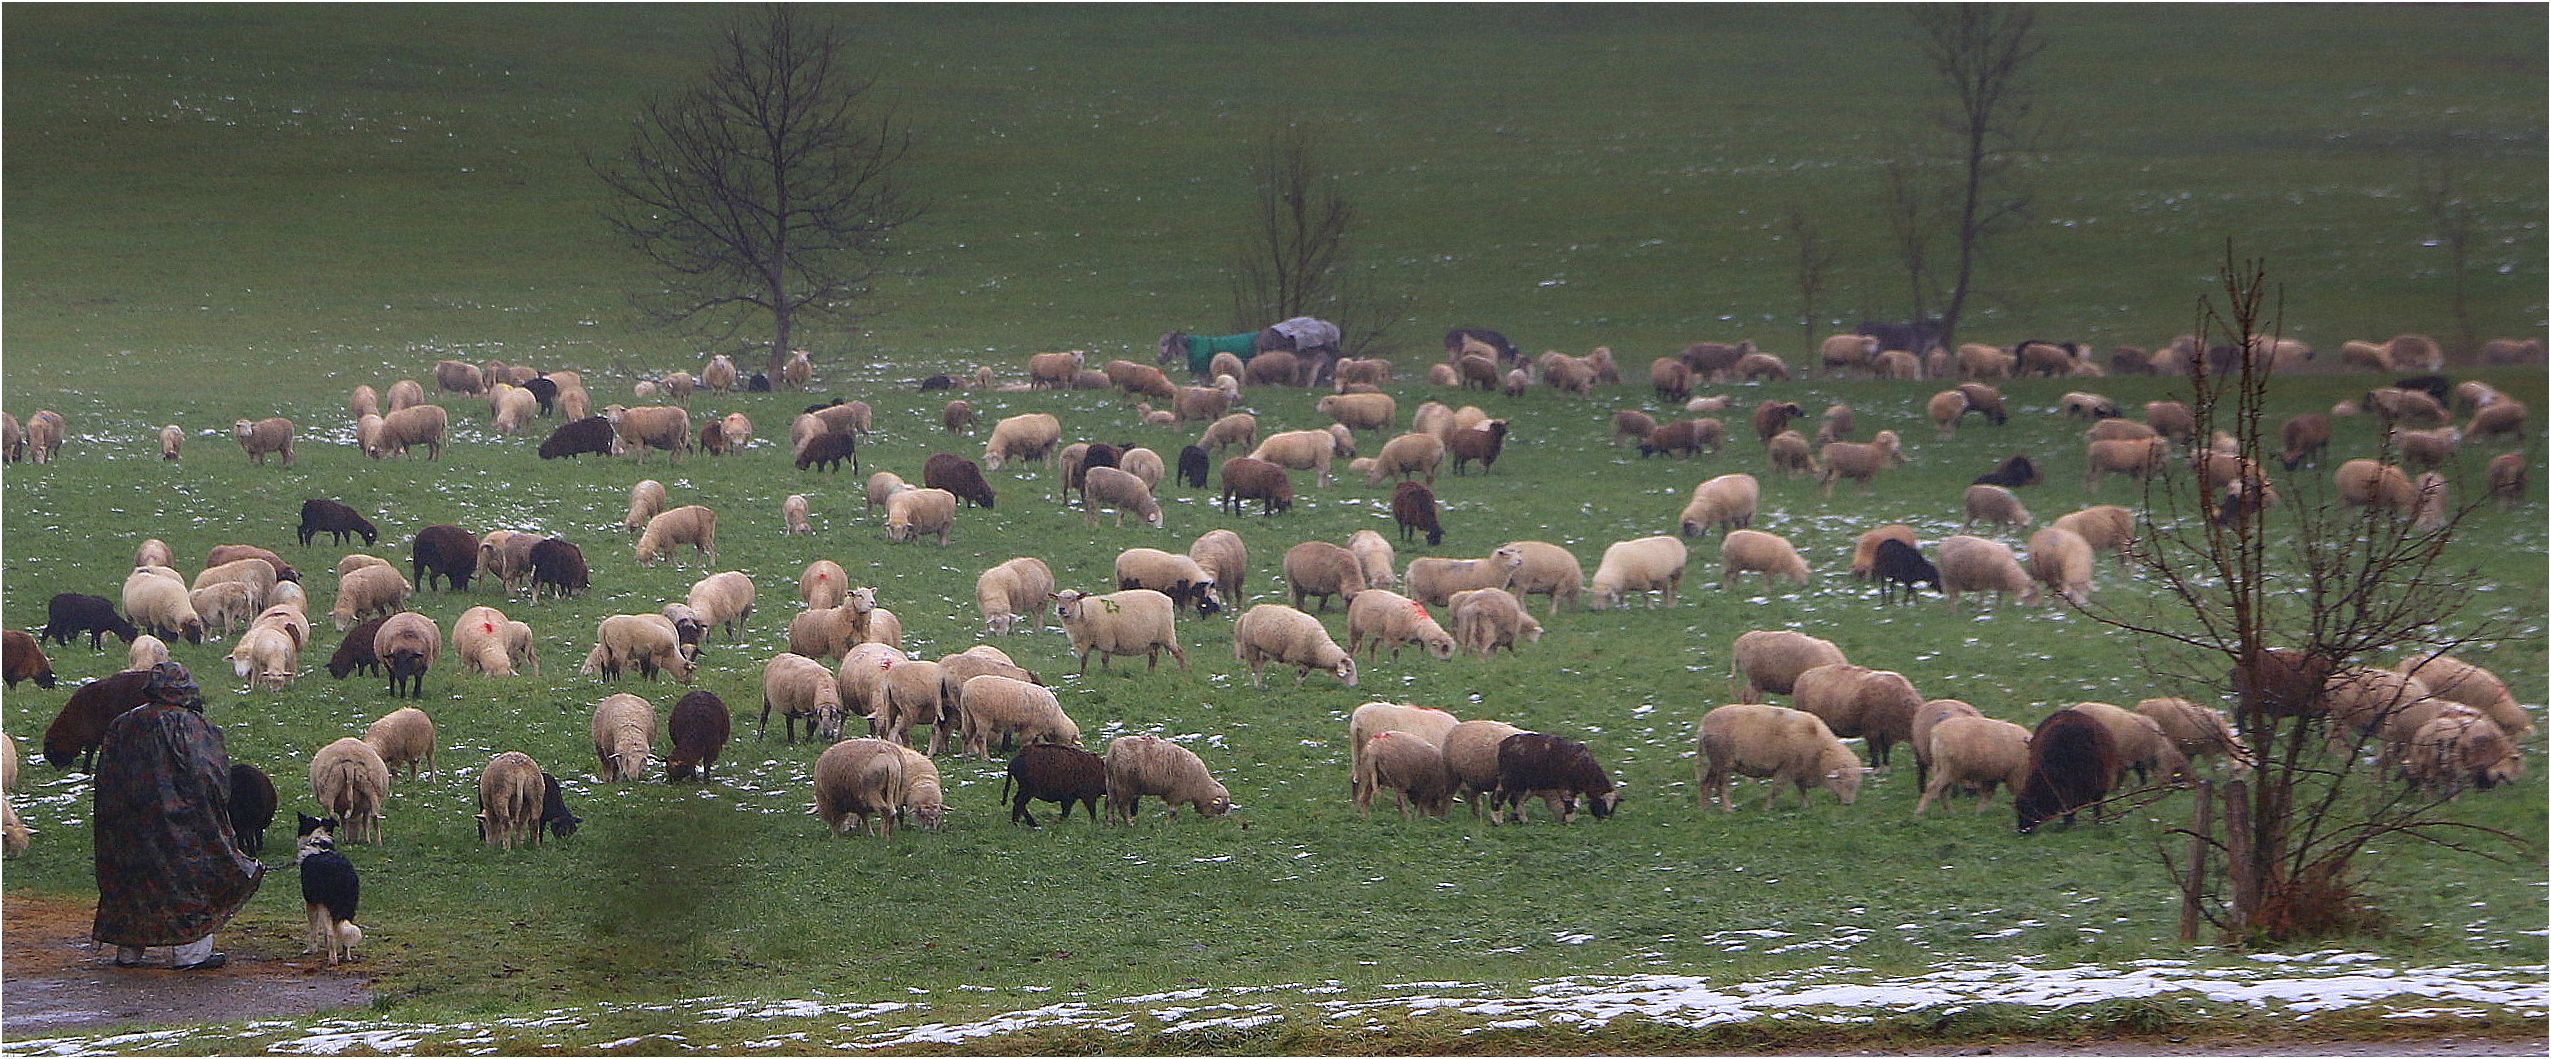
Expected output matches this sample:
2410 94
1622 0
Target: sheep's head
1345 670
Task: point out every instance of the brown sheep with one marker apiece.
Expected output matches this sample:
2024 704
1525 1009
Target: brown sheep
1247 478
1788 454
1321 569
1771 660
1859 702
1631 425
2134 459
1859 461
1772 417
1994 505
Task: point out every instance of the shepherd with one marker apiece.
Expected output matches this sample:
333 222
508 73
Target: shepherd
169 871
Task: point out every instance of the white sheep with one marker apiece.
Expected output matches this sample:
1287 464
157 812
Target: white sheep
993 707
420 424
1858 461
2198 731
267 658
1754 551
1184 580
1140 765
1303 450
1407 456
1974 564
1647 564
691 524
1724 502
145 651
1978 752
1273 632
225 606
861 679
2061 560
1322 569
911 692
1360 411
2455 680
1772 659
1238 428
1144 464
159 605
1133 622
403 738
1025 437
647 641
268 436
1015 588
723 600
801 687
1994 505
1433 580
860 778
1485 619
1786 746
1374 718
823 585
1114 487
1377 617
1857 702
623 732
917 513
2106 527
792 514
1373 556
1413 769
350 781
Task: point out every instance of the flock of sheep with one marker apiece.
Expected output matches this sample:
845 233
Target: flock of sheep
2442 721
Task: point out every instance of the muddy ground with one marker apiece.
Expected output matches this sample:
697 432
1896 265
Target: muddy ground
52 980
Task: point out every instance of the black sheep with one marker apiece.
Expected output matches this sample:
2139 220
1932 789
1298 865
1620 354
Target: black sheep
553 808
26 660
1413 507
759 383
828 450
81 726
958 475
557 563
2436 386
698 728
1194 464
70 614
252 806
1898 563
1099 454
820 406
328 516
355 652
1052 772
938 382
544 391
2071 760
2013 473
1558 769
449 552
590 434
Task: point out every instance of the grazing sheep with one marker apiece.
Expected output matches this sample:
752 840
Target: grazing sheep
1647 564
1974 564
646 501
1629 425
2364 483
350 782
860 778
993 706
1238 428
1320 569
406 645
1974 751
1047 772
1132 622
1859 702
265 657
2197 732
1299 450
2461 748
1144 464
2015 472
792 513
1485 619
1360 411
479 637
1139 765
1758 366
951 473
2394 407
259 439
1925 719
861 679
884 484
2072 762
623 733
1771 660
2140 742
2455 680
2105 527
667 531
80 726
45 431
1032 436
1547 570
1273 632
225 606
1899 563
1842 353
1015 588
559 566
648 641
287 618
1469 752
1406 456
2061 560
697 731
2425 449
2081 405
446 552
824 632
506 556
1994 505
255 576
1978 361
1772 417
1945 409
1413 769
1556 769
1053 371
2506 476
1186 582
2120 430
1433 580
401 739
2503 418
826 452
1193 466
1787 453
421 424
160 605
801 687
1788 747
1379 616
1117 489
1754 551
1724 502
26 661
1671 378
578 436
511 793
1683 437
724 600
1858 461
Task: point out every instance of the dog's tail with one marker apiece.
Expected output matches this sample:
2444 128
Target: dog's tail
348 934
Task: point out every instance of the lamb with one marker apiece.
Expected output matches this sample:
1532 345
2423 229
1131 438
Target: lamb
45 431
1186 582
407 645
1405 456
1049 772
1785 746
1413 769
2061 560
578 436
1646 564
647 641
1727 501
1238 428
2105 527
860 778
623 733
1859 702
1864 553
444 551
559 566
1754 551
2072 761
2461 747
997 706
646 427
1114 487
268 436
402 738
26 661
479 640
266 657
1379 616
1975 751
1273 632
792 513
1139 765
350 781
1320 569
1974 564
1858 461
722 600
2197 731
1132 622
1547 570
160 605
801 687
80 726
1771 660
2506 476
1017 587
1481 443
697 730
423 424
646 501
957 417
917 513
1030 436
1945 409
355 651
225 606
2141 744
1683 437
1927 718
1360 411
1485 619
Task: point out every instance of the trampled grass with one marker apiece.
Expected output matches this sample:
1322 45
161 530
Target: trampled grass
185 247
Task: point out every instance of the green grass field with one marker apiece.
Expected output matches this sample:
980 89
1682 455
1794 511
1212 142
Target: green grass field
227 212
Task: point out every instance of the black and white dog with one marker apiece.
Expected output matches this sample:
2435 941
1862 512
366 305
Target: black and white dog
329 889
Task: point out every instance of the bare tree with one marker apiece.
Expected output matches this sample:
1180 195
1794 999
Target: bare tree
769 187
1816 258
1909 221
2454 223
1295 257
1982 54
2266 604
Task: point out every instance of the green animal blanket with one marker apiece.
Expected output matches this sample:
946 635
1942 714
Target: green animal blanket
1201 348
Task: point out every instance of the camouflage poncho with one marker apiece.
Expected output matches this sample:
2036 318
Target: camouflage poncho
169 871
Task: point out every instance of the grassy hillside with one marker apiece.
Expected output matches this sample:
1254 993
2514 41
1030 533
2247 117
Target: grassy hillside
243 211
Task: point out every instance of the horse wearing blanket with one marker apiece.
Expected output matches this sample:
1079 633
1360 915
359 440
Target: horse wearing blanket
1314 340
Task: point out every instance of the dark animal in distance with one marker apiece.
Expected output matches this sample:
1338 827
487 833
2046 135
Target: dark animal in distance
252 806
827 451
1413 508
2014 473
938 382
355 651
590 434
69 614
553 809
544 390
557 564
1917 338
1454 341
698 728
2436 386
958 475
1558 769
81 725
26 660
448 552
1245 478
330 517
2071 761
1194 464
1482 443
1897 563
1052 772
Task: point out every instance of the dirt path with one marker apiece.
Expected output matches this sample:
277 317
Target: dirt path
53 981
